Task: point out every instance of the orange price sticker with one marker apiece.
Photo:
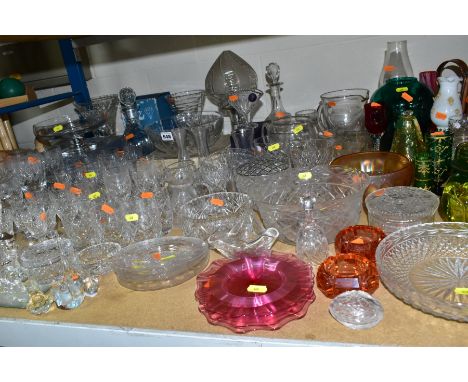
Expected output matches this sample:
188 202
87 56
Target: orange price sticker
43 216
441 116
379 192
338 147
407 97
146 195
28 195
156 256
75 190
437 134
217 202
129 136
389 68
327 134
107 209
358 240
59 186
375 104
32 160
280 114
75 276
331 103
233 98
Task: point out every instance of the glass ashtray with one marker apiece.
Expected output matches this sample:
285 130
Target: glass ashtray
255 292
426 266
393 208
160 263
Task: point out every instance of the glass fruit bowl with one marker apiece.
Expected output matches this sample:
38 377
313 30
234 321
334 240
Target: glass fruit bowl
255 291
220 212
426 266
160 263
385 169
338 193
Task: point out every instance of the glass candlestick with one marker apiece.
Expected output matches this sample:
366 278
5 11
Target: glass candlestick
272 76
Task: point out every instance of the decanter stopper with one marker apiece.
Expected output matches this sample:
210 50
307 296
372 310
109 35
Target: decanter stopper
273 74
311 242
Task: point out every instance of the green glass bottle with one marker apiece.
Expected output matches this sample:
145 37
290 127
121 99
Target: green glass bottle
401 94
454 200
408 139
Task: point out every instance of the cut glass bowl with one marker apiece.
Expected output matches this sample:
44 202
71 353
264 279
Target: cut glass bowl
160 263
426 266
255 292
393 208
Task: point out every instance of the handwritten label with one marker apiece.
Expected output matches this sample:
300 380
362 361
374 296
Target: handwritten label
107 209
441 116
338 147
407 97
129 136
94 195
463 291
156 256
146 195
375 104
274 147
280 114
327 134
401 90
217 202
166 136
28 195
437 134
298 129
305 175
389 68
131 217
233 98
257 288
75 190
331 103
57 128
90 174
59 186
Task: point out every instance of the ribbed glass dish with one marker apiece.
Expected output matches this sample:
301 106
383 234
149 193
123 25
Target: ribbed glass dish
426 266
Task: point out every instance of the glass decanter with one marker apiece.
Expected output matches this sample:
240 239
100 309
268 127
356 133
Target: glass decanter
396 63
134 134
311 242
272 76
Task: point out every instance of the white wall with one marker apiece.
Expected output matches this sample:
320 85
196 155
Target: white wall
310 65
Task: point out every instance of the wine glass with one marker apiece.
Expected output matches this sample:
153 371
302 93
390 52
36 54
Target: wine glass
375 122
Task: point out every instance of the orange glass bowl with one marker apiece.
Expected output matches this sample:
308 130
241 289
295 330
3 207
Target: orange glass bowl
347 271
360 239
385 169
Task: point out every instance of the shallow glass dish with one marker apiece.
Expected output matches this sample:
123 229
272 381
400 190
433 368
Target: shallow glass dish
426 266
393 208
160 263
255 292
95 260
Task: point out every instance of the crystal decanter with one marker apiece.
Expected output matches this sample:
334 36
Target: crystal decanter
272 76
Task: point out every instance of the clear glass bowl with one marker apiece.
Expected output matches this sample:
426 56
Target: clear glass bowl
160 263
338 193
393 208
215 213
426 266
96 260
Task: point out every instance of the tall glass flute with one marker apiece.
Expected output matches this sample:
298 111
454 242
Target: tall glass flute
375 122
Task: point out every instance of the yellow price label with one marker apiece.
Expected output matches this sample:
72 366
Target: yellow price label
131 217
305 175
400 90
57 128
298 129
167 257
274 147
90 174
461 291
94 195
257 288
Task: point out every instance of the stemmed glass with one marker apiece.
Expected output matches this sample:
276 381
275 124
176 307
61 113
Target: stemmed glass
244 102
200 130
375 122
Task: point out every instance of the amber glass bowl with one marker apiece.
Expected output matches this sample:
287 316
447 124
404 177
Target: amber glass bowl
385 169
360 239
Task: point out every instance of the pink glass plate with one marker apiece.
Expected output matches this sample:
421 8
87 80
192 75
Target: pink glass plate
232 293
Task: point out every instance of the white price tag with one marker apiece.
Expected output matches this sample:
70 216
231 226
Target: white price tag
166 136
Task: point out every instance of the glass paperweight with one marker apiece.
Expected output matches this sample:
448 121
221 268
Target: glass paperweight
311 242
69 293
160 263
255 292
272 76
347 271
39 302
393 208
356 310
426 266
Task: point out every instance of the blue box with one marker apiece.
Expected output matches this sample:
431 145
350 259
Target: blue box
153 109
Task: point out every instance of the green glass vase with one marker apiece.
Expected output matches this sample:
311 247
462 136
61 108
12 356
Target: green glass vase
401 94
408 139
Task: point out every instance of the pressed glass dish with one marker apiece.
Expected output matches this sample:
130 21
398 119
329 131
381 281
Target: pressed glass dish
96 259
393 208
426 266
160 263
260 291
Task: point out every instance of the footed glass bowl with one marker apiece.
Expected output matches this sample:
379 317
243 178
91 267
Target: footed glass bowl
160 263
426 266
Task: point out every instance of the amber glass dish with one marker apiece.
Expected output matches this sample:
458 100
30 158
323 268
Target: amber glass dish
360 239
347 271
